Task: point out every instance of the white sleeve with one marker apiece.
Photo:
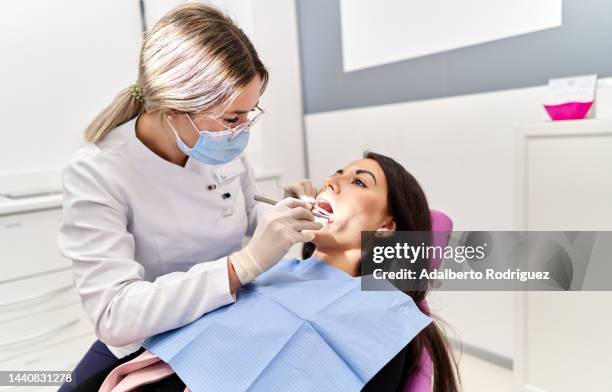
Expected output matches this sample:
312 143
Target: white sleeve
249 189
123 307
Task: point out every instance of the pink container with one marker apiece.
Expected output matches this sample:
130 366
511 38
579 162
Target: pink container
568 111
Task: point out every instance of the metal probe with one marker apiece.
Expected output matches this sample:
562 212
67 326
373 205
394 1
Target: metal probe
267 200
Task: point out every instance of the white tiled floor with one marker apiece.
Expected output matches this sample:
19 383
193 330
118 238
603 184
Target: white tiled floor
478 375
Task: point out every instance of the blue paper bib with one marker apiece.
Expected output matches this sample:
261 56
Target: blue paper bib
301 326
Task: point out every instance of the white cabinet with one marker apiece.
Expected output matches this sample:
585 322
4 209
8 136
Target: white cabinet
61 356
564 182
42 322
21 297
29 334
28 244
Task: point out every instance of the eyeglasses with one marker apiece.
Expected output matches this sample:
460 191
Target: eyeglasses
245 126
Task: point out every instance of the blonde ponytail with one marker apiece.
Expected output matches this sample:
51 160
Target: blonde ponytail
195 59
124 107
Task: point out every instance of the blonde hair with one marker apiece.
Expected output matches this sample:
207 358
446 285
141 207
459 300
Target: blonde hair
195 59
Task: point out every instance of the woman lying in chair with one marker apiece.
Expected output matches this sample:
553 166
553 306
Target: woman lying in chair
308 325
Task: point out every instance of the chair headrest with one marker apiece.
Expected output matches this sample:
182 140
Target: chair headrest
421 380
442 223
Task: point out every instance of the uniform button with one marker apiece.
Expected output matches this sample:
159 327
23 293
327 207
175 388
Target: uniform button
227 212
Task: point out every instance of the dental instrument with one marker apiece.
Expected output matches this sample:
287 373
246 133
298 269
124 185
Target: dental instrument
317 211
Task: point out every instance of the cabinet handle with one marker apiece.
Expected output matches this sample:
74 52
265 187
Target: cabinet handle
38 335
34 297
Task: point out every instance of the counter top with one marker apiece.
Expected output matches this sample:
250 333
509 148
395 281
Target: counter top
10 206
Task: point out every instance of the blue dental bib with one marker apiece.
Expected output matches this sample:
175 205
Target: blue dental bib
301 326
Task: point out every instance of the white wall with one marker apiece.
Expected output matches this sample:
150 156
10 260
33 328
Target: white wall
276 40
61 63
460 148
66 62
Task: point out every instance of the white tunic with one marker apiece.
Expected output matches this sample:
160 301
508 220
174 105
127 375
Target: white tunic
148 239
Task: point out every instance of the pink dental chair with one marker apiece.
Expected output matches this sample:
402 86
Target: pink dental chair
422 380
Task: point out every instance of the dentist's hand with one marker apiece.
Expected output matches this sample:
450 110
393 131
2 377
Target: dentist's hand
278 230
299 189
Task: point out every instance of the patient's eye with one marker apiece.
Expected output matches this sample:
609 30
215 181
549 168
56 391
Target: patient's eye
358 182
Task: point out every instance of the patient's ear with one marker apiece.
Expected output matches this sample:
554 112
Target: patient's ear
386 230
389 225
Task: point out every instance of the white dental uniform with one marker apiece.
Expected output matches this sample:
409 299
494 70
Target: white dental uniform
149 239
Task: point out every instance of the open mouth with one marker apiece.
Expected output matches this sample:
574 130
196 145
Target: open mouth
324 208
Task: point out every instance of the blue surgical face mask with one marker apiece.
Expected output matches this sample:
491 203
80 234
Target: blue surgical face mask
214 148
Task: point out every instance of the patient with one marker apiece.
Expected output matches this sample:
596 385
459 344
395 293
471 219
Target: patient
371 194
377 194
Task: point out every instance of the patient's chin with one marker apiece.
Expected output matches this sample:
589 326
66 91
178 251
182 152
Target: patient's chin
333 237
323 236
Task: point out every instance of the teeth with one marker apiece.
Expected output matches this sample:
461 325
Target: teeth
322 212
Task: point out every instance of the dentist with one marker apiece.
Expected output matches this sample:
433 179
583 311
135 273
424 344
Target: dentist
157 203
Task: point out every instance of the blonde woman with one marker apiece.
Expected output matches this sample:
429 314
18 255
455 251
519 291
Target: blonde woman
157 203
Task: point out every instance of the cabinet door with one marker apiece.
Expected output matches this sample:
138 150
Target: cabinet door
28 244
36 332
61 356
563 341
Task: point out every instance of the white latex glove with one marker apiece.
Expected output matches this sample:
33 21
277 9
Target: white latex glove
279 228
301 190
